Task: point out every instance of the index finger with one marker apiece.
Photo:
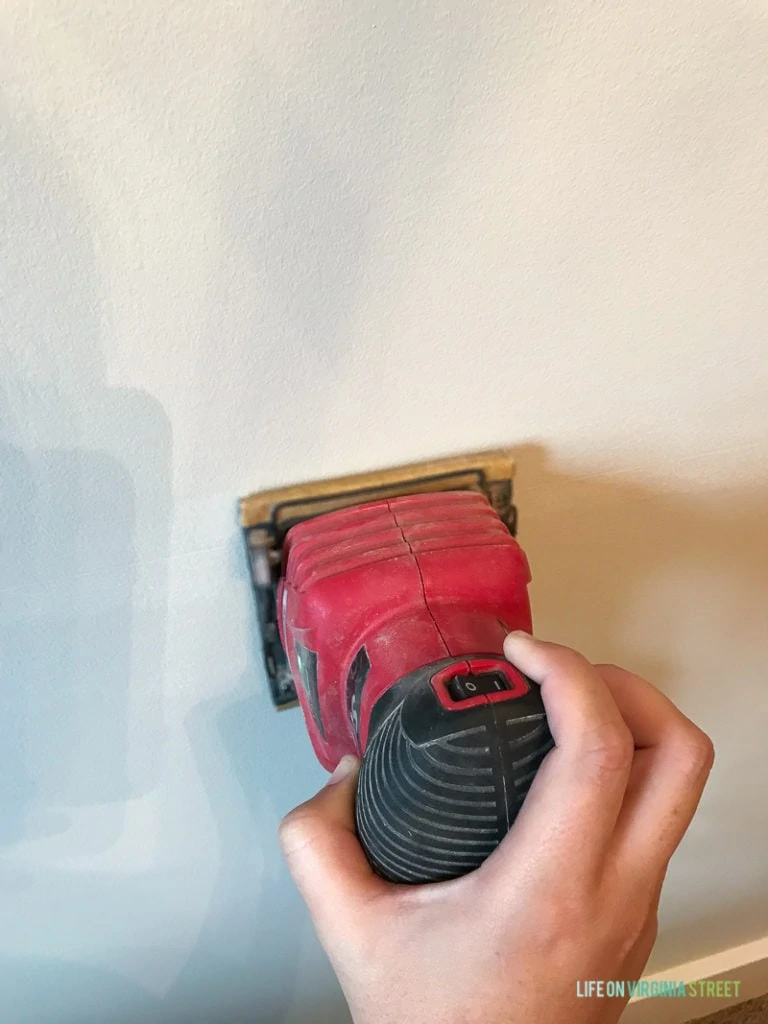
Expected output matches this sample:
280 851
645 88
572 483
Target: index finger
575 799
671 767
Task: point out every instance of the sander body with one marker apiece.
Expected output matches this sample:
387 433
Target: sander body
387 611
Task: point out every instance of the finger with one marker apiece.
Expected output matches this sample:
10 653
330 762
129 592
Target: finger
669 773
575 798
324 856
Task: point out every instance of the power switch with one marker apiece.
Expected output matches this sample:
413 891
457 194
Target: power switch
469 685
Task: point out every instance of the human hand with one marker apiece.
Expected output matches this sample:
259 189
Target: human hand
571 894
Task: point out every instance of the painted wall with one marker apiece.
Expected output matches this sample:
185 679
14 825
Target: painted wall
243 244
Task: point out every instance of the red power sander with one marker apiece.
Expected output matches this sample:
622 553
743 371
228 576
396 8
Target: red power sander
383 601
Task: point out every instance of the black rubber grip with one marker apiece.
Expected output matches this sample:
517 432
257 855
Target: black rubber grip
439 789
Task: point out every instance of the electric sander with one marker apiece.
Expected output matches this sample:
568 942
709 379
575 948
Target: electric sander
383 601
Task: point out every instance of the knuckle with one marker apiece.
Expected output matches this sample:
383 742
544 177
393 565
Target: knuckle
696 752
565 658
611 748
299 829
611 668
618 678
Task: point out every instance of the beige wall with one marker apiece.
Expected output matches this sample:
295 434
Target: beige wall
247 243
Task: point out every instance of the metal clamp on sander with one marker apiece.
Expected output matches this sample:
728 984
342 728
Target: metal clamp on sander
383 601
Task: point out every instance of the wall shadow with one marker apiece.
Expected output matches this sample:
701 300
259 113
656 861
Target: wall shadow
67 992
65 638
84 497
255 763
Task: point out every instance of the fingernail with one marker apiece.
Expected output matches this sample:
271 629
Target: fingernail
347 764
518 638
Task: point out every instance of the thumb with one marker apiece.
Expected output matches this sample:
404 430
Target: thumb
323 853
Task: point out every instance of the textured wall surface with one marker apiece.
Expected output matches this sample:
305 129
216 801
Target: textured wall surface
243 244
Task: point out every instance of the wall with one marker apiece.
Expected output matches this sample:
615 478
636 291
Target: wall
245 244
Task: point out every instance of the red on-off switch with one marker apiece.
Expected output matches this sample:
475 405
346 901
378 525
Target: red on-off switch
470 684
467 684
